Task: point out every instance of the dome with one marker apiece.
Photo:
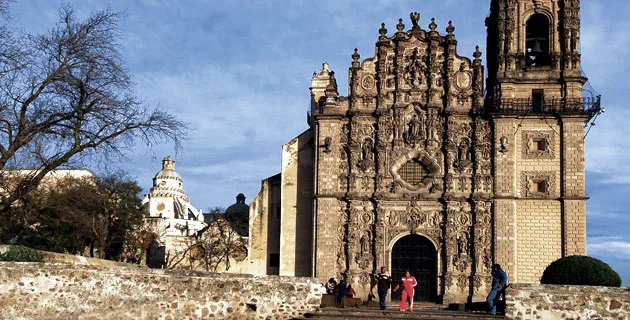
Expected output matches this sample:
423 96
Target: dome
238 215
168 174
239 206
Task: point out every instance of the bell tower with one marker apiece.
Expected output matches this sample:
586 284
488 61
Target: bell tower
533 50
538 112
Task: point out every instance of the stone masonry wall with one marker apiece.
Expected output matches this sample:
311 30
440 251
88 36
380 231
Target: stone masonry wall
539 240
65 291
535 301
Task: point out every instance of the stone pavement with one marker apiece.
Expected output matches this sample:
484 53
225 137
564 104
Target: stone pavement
422 311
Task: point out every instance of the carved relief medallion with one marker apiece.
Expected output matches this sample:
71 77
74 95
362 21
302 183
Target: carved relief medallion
368 82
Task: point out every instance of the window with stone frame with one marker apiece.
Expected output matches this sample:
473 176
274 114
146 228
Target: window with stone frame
413 172
538 144
538 184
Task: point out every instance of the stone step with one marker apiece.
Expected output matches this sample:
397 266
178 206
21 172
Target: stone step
376 314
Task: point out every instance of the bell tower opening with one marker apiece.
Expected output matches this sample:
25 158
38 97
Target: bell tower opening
537 41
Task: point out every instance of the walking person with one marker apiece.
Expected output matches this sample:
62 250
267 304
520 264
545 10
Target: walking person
383 283
408 284
499 281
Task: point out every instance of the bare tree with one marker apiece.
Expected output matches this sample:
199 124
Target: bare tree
219 245
66 95
139 241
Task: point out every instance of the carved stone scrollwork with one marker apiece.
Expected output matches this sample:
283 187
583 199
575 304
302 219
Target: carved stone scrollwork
483 236
341 236
462 281
538 144
364 278
538 184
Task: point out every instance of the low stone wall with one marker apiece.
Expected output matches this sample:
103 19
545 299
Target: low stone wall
535 301
70 291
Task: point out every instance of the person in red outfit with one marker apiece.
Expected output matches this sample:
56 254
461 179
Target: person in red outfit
408 283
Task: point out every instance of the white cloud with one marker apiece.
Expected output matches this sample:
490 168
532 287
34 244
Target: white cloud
609 247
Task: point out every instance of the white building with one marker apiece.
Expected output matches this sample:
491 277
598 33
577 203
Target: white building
169 211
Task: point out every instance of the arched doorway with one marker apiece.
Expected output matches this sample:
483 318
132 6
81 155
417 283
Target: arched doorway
418 255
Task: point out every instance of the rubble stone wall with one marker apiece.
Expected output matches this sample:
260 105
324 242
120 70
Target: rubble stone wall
535 301
67 291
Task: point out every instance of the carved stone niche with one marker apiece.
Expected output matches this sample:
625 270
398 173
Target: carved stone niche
538 144
538 184
416 170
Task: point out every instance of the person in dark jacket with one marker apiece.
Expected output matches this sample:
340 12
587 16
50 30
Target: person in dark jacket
341 292
499 282
384 283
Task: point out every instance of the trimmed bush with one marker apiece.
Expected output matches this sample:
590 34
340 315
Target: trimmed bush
22 254
581 271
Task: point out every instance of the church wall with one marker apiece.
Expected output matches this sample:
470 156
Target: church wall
539 238
304 207
258 233
264 230
574 186
296 211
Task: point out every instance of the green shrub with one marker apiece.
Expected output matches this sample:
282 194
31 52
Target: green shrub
580 270
22 254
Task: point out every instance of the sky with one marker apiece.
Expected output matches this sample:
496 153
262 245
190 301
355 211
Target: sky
238 73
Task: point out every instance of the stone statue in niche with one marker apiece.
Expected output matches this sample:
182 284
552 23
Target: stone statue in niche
415 129
463 159
367 155
415 69
364 245
462 245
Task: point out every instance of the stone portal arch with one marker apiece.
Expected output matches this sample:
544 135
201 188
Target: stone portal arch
418 254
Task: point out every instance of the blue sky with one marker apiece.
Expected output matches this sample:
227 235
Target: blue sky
238 71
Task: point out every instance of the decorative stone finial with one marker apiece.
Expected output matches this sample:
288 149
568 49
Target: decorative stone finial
415 17
382 31
400 26
356 56
433 25
325 66
477 53
450 29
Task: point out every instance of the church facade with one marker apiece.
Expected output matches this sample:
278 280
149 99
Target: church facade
420 168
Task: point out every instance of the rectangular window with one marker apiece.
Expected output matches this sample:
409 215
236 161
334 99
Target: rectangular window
274 260
538 98
542 186
278 212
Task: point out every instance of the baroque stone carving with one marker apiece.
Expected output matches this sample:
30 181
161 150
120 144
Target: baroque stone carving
538 184
538 144
368 82
424 159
